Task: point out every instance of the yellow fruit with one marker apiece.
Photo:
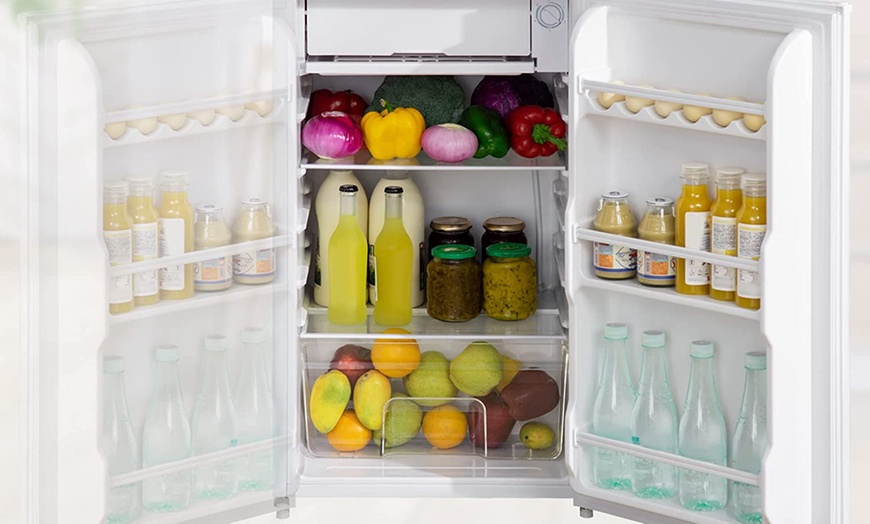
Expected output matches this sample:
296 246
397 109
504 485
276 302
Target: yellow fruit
396 358
445 427
329 396
371 392
511 368
349 434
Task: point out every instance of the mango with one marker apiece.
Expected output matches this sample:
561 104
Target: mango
477 370
431 379
537 435
371 392
329 397
402 423
511 368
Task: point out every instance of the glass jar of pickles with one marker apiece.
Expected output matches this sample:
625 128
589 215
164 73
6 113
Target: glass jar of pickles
510 282
454 283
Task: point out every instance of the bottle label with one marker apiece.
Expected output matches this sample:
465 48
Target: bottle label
171 244
372 269
653 266
698 238
257 263
749 240
214 271
612 258
119 244
145 247
724 233
317 276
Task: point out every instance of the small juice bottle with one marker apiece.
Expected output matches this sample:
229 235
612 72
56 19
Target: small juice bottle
176 235
693 228
392 264
729 197
140 205
348 260
751 227
117 233
254 222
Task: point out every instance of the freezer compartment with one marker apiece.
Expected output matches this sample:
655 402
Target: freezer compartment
453 425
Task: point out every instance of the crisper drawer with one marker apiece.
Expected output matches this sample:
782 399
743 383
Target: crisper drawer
419 27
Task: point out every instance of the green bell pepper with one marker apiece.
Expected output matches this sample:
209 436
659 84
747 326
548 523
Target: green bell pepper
492 137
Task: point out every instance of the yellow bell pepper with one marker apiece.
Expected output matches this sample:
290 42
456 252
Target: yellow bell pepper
393 133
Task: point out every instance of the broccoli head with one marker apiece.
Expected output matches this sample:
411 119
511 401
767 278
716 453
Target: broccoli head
440 99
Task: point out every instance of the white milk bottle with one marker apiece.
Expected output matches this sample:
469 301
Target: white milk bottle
256 266
211 231
326 207
414 222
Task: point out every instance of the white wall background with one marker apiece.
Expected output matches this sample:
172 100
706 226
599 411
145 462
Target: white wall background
435 511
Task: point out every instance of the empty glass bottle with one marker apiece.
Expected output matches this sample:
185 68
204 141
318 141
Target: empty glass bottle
611 415
654 421
119 442
750 439
214 424
166 438
703 435
253 402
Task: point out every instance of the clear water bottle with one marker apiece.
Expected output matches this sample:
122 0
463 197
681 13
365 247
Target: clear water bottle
654 421
750 439
611 415
166 438
253 402
214 424
119 442
703 435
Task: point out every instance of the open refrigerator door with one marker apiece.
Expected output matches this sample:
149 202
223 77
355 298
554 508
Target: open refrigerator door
129 101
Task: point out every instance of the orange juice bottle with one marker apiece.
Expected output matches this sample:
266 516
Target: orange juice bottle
693 228
145 239
176 235
118 235
751 227
729 197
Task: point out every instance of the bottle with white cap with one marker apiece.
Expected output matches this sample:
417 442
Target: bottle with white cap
118 236
214 424
166 438
255 410
611 414
750 439
176 235
703 435
118 442
654 421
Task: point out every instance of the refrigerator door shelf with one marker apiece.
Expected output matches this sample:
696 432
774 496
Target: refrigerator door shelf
205 104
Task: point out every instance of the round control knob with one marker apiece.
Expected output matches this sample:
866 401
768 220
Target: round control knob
550 15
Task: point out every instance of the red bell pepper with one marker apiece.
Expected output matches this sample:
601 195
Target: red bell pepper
536 131
347 102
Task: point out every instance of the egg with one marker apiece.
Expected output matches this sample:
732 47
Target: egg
636 103
204 117
608 99
146 126
234 113
664 109
175 121
753 122
724 117
115 130
262 107
694 113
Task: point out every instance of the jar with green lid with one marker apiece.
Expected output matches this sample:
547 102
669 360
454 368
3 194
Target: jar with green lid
453 285
510 282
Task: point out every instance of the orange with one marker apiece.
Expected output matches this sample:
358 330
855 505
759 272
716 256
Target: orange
396 358
445 427
349 434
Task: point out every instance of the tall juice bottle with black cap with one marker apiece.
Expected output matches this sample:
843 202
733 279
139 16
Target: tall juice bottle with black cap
393 257
348 251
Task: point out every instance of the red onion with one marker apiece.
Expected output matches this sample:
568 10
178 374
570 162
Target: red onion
449 143
332 135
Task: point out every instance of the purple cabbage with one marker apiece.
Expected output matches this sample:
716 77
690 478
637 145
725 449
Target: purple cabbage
506 93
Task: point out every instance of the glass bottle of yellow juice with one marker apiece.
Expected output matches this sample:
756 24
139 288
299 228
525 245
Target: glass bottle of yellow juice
693 228
176 235
392 264
117 233
140 206
751 227
729 197
348 260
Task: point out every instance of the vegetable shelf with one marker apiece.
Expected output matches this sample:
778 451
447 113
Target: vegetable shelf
364 161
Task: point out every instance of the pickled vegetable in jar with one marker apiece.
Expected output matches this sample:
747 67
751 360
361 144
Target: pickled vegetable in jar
449 230
453 284
614 261
657 225
498 230
510 282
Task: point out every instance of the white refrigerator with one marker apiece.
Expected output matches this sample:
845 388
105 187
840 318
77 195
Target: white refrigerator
220 90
